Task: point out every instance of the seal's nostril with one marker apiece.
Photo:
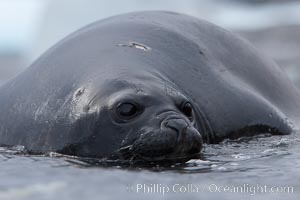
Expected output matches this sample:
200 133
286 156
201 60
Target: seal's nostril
177 124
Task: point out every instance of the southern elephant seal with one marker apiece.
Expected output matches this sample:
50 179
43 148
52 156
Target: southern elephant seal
149 86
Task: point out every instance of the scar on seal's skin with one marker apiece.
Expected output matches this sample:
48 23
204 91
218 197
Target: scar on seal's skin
136 45
79 92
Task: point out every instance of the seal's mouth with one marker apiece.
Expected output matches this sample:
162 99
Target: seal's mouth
128 154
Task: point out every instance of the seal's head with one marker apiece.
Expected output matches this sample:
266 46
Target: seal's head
141 118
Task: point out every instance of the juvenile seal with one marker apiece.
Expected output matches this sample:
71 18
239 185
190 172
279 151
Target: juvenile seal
149 86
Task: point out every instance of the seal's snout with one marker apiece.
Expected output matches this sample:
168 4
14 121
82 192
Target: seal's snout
189 140
176 140
176 124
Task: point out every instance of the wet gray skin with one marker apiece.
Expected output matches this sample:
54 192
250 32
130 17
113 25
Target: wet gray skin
150 86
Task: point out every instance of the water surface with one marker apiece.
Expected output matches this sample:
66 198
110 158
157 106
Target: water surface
263 167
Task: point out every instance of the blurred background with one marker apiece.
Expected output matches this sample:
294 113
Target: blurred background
29 27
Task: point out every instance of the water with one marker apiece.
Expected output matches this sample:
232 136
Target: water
244 168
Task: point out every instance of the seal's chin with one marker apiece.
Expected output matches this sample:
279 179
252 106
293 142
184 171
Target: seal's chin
166 145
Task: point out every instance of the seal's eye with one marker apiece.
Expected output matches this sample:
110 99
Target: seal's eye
127 110
187 109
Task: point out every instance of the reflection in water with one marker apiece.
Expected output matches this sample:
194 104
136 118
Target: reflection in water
263 160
